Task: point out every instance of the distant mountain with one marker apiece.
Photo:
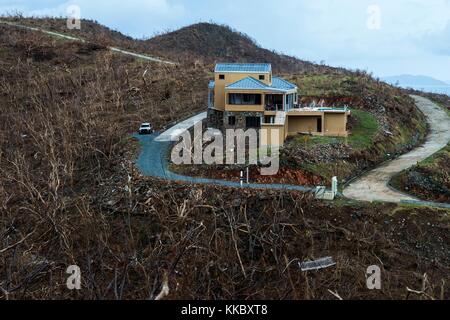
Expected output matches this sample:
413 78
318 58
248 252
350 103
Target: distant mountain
421 83
407 80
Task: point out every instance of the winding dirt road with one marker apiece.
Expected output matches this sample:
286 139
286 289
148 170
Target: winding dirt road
374 186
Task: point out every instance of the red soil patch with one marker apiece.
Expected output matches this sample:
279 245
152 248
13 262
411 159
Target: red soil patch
284 176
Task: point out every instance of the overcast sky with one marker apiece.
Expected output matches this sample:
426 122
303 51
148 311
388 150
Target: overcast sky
387 37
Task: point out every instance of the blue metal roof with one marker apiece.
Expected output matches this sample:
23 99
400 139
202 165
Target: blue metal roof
244 67
282 84
250 83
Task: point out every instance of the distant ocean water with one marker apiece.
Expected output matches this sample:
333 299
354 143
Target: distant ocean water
432 89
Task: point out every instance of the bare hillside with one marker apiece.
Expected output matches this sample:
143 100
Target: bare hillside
213 43
71 194
206 43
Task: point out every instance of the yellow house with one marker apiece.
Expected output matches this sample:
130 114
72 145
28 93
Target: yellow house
244 96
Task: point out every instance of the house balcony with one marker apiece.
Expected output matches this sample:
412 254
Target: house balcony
275 107
280 102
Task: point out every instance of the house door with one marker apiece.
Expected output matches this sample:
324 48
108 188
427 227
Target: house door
319 125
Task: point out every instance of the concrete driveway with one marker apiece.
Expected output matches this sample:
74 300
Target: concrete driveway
153 162
373 186
176 131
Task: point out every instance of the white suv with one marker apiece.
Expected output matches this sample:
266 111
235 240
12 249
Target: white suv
146 128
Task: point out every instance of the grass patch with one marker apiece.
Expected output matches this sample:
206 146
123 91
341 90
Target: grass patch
363 134
407 135
447 110
330 170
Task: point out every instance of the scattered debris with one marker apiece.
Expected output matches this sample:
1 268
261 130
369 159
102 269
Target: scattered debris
335 294
317 264
165 288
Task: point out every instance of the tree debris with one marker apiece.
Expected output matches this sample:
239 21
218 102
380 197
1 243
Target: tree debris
317 264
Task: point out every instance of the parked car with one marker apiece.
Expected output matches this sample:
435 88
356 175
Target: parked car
146 128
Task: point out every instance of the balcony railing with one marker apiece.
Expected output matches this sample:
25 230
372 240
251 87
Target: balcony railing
280 107
274 107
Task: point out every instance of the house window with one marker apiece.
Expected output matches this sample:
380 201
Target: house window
231 120
221 77
244 99
252 122
262 77
269 119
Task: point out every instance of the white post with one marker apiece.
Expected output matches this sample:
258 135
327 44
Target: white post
248 175
242 179
334 185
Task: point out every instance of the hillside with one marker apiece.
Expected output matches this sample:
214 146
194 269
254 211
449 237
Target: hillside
212 43
204 43
91 30
71 194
